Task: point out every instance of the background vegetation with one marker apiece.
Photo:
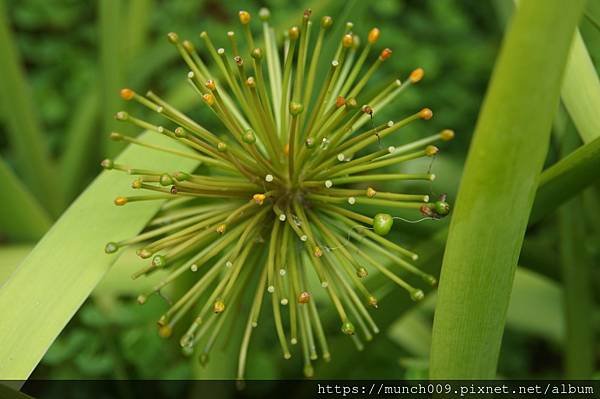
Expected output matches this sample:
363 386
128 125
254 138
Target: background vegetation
64 62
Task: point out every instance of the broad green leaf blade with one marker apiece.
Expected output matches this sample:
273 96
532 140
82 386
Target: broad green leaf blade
49 286
22 218
24 132
497 190
581 91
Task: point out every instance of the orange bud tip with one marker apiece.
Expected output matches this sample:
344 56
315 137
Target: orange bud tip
127 94
347 40
259 198
208 99
244 17
373 35
286 149
385 54
426 114
294 32
219 307
373 301
318 252
221 228
447 134
416 75
340 101
211 85
120 201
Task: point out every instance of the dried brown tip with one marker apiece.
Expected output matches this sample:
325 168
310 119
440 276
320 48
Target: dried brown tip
340 101
259 198
210 85
303 297
385 54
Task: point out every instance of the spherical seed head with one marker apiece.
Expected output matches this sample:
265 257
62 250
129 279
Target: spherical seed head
219 306
249 137
294 33
165 331
416 75
348 328
221 228
259 198
382 223
447 134
159 261
107 164
166 180
210 84
385 54
257 53
361 272
367 110
340 101
141 299
310 142
431 150
296 108
371 192
208 99
180 132
347 40
114 136
244 17
127 94
372 301
264 14
269 178
417 295
173 37
120 201
426 114
222 147
303 297
111 248
373 35
326 22
442 208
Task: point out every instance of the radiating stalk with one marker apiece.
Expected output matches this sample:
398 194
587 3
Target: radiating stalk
497 190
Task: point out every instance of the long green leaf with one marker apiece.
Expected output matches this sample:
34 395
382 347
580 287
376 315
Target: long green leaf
581 91
21 216
80 141
566 178
497 190
50 285
24 132
111 39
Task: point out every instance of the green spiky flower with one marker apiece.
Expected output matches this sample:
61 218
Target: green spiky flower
270 217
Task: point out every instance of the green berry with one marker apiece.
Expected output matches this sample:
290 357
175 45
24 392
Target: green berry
111 248
382 223
348 328
442 208
249 137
